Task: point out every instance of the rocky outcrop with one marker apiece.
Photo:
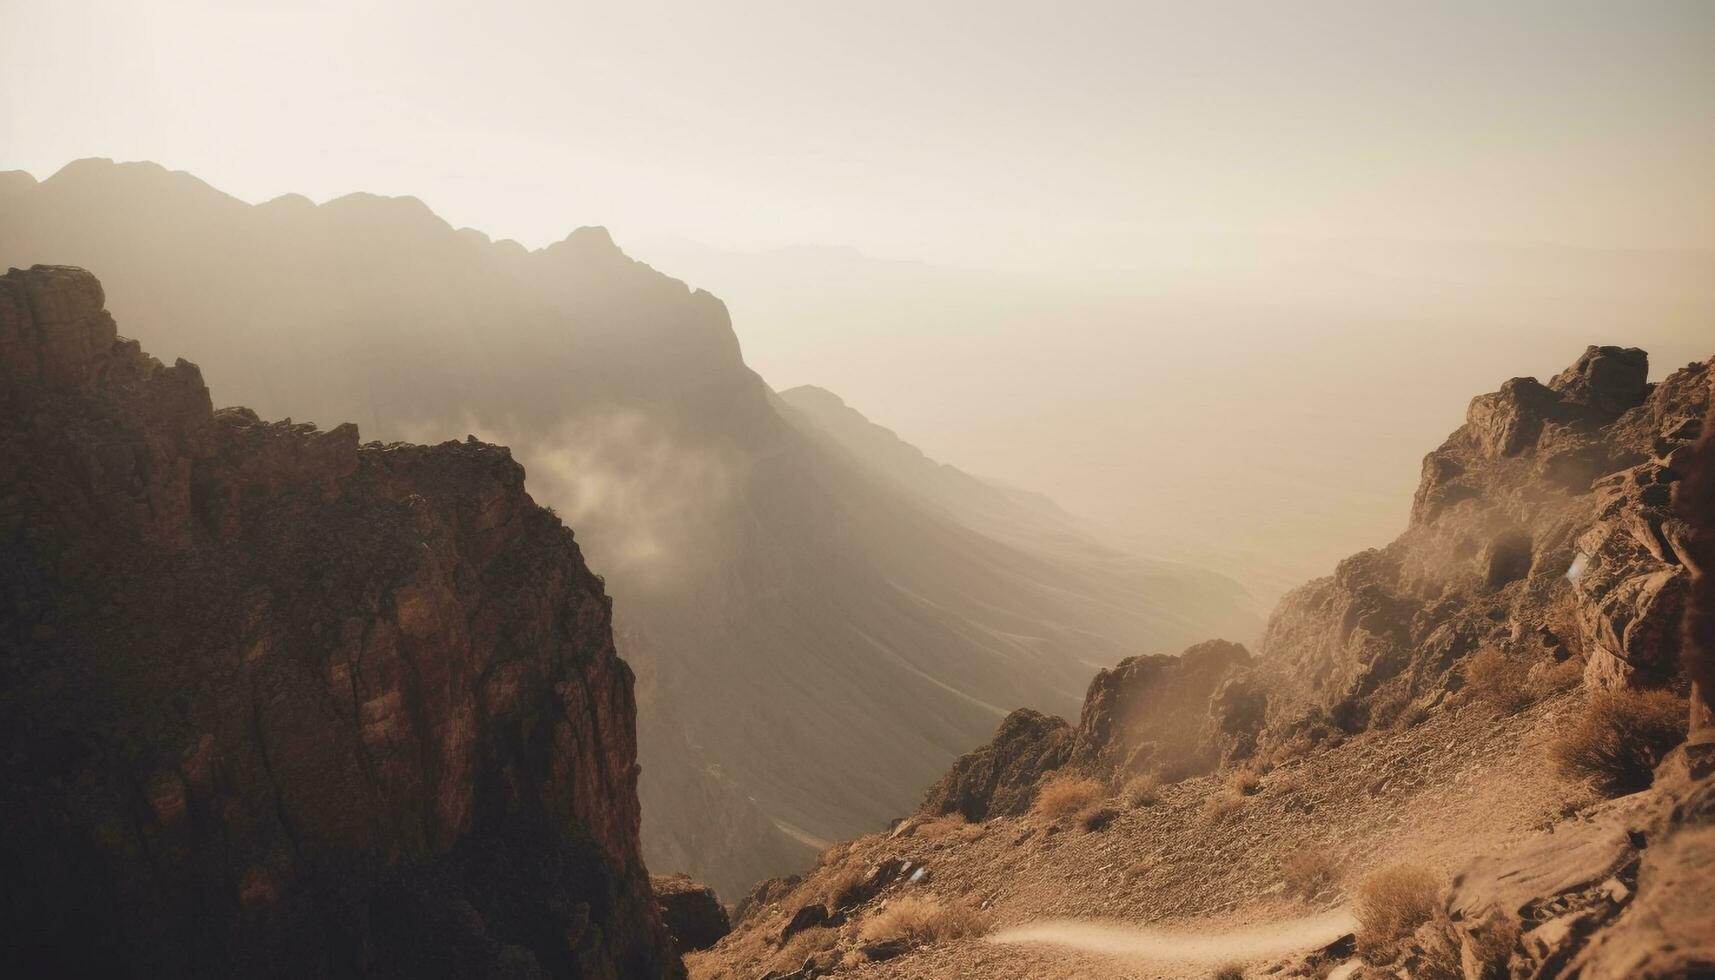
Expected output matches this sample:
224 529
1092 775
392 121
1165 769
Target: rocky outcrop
1542 528
1146 714
1695 503
1000 777
1621 892
278 703
693 914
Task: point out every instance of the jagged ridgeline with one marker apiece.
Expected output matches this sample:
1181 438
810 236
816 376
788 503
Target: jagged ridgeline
818 629
278 703
1543 531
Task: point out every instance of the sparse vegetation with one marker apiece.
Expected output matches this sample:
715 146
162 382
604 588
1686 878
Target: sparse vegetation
1144 790
922 919
845 888
1232 971
1390 905
946 825
804 945
1243 782
1064 795
1556 677
1499 680
1310 873
1413 714
1217 808
1619 737
1096 817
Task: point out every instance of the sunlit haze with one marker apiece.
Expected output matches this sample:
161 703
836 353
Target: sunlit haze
1146 258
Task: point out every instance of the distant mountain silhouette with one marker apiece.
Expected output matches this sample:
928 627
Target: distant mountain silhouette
819 626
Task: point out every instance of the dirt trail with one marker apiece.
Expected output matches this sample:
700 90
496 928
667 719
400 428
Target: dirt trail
1185 946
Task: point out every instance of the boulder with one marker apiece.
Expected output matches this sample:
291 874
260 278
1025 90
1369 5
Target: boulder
692 913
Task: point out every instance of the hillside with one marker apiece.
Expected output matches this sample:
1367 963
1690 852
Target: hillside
814 644
1412 709
278 703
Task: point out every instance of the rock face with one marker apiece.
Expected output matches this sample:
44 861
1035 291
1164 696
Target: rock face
276 703
1146 714
1695 501
1542 528
693 915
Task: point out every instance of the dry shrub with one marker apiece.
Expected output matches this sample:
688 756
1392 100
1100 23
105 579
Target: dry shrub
1556 677
945 825
802 946
1310 873
1243 782
845 888
1217 808
1232 971
1064 795
1096 817
1618 739
1144 790
922 919
1497 679
1391 904
1412 715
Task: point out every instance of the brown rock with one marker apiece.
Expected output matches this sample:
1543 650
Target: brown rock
278 704
691 911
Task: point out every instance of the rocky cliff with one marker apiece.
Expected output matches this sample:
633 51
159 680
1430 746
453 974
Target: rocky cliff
278 703
1543 528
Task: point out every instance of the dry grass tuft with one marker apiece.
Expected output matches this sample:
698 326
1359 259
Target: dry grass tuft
1243 782
1498 680
945 825
802 946
1232 971
922 919
845 888
1311 873
1097 817
1563 676
1618 739
1391 904
1217 808
1144 790
1065 795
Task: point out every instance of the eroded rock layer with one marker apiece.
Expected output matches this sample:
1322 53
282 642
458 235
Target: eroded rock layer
276 703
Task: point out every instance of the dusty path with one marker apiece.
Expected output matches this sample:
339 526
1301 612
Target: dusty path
1180 946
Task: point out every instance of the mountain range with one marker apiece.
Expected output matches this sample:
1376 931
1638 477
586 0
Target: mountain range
821 618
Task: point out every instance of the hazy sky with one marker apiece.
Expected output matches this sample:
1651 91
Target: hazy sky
1225 271
1034 136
